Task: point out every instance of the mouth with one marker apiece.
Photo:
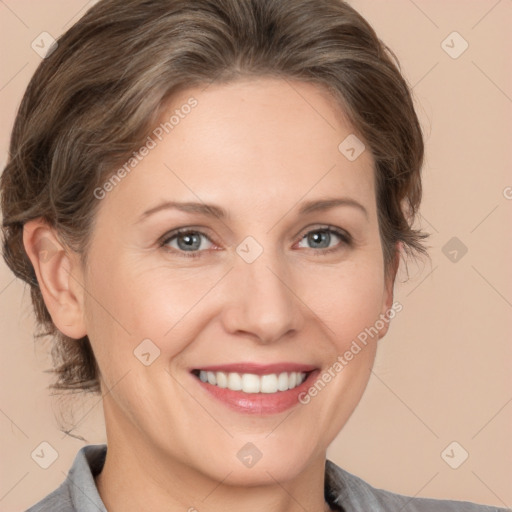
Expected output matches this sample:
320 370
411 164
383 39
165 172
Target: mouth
252 383
256 389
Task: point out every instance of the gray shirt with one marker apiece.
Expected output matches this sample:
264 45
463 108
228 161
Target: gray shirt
343 491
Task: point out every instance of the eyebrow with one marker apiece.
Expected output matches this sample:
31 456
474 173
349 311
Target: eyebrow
327 204
211 210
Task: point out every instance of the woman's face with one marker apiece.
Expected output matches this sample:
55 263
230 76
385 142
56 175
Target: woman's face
256 295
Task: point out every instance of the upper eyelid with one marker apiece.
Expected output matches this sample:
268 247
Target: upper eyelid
171 235
324 227
186 229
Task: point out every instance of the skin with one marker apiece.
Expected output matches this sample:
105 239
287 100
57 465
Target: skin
259 149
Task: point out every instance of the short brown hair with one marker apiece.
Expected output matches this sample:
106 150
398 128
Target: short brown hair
92 102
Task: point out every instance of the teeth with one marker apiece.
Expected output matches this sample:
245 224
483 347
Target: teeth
269 383
234 381
282 381
251 383
222 380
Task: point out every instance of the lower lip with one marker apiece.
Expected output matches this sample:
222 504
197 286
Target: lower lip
258 403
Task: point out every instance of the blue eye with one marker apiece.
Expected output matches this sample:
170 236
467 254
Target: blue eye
321 238
192 243
189 242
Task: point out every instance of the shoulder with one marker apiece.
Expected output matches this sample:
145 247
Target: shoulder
78 492
57 501
352 493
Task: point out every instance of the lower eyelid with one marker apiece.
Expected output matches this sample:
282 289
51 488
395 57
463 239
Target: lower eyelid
345 238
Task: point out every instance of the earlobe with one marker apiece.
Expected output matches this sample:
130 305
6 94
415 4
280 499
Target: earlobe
58 275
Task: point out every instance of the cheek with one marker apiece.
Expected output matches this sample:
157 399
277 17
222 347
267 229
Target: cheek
347 300
129 303
126 305
165 301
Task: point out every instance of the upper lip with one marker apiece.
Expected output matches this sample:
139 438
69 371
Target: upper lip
258 369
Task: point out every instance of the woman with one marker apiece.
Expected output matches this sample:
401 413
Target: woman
209 200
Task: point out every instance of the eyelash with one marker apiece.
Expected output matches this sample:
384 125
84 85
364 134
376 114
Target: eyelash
345 237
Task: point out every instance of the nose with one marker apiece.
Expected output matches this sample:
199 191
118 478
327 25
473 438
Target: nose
261 301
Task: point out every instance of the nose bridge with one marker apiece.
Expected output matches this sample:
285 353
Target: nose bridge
264 303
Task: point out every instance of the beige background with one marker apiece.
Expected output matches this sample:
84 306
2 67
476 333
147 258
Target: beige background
443 371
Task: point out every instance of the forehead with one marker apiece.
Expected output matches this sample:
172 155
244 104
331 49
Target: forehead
251 141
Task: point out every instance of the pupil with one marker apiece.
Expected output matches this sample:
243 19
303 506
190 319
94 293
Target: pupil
319 237
188 241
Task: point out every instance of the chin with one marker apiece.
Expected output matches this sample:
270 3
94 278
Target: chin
250 466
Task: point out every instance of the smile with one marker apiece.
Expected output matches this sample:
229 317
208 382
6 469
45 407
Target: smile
253 388
252 383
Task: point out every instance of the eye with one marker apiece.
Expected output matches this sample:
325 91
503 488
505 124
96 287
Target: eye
322 238
186 242
191 242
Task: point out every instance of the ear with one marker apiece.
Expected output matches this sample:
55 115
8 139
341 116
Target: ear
59 276
388 310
